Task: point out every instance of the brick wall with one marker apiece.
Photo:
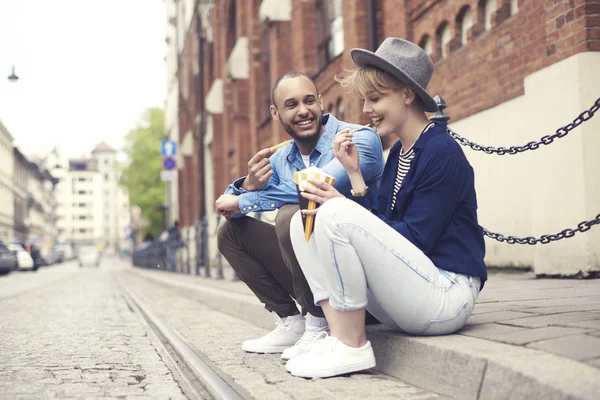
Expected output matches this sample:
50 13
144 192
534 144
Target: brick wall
488 70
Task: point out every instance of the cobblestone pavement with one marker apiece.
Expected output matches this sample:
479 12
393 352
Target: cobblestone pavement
219 337
70 334
559 316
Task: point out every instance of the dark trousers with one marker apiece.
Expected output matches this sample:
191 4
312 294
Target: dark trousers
263 257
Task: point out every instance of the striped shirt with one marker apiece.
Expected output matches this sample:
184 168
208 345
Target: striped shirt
404 166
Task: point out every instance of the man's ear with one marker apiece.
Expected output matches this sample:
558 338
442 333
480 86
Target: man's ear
320 99
274 112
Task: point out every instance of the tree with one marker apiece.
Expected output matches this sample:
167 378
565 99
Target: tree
141 174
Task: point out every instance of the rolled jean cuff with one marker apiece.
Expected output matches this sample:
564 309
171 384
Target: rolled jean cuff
347 307
320 296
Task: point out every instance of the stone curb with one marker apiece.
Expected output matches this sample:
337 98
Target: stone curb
457 366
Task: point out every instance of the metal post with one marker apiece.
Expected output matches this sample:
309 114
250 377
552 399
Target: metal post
205 257
197 237
439 115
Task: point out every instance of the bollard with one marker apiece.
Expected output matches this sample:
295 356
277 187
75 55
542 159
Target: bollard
440 115
204 246
198 259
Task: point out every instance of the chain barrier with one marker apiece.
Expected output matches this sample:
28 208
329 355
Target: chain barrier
546 140
544 239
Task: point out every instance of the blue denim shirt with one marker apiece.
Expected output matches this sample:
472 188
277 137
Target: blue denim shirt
436 206
281 189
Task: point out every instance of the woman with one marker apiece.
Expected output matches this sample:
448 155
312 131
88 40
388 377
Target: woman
415 258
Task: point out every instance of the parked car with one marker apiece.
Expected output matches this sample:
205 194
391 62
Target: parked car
88 255
8 259
24 259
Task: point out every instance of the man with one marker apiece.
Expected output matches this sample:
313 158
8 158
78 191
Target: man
262 254
173 243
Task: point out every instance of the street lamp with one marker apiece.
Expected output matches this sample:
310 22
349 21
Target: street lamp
13 77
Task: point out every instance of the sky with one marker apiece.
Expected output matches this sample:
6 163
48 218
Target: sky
88 69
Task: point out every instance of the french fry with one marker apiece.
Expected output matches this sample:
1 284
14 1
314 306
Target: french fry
280 145
361 127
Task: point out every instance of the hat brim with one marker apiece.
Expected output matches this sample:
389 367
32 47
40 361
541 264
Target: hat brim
363 58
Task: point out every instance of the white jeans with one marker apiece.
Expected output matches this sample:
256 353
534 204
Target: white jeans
355 260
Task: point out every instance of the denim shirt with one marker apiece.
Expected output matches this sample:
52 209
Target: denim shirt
281 189
436 206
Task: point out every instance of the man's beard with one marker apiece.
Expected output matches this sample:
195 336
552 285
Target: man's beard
289 128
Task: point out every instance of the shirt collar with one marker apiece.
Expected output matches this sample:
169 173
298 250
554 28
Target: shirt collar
329 126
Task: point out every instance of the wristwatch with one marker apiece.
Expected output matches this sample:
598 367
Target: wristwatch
359 194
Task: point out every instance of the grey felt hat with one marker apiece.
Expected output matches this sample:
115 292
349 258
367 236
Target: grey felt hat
405 61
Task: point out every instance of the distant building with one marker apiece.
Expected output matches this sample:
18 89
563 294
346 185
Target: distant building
6 185
92 207
21 174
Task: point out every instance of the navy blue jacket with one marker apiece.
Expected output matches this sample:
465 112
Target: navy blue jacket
436 207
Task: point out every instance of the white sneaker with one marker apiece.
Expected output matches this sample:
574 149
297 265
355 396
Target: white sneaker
311 336
330 357
288 331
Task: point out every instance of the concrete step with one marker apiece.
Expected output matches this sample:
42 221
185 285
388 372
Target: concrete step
456 366
206 340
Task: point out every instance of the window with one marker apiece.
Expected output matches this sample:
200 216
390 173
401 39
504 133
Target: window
426 45
82 192
330 31
444 37
82 230
82 217
106 177
266 65
489 10
339 109
465 23
82 179
514 7
81 204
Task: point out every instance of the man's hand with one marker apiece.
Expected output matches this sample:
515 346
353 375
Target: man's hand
227 205
259 171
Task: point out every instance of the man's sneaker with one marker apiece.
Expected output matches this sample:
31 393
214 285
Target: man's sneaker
288 331
330 357
311 336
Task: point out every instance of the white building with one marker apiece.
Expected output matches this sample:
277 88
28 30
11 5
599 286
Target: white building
6 185
92 207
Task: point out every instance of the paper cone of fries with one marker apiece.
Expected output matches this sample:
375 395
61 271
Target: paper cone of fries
301 178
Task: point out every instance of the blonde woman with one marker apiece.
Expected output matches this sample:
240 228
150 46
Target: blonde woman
414 256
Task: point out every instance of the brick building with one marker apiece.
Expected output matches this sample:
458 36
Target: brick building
511 71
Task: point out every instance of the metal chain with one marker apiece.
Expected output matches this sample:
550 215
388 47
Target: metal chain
560 132
544 239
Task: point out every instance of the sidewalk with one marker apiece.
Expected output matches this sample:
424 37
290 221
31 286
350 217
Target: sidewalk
527 337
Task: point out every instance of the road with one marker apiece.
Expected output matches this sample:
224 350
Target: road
67 332
92 333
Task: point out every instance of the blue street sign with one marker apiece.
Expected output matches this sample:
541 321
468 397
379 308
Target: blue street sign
168 148
169 163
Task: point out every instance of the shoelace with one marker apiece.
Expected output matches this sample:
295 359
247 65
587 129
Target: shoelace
323 344
312 335
281 326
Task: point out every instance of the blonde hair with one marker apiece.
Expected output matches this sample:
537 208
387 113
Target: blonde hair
368 79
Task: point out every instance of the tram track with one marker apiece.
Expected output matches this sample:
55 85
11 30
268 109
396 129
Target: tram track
195 373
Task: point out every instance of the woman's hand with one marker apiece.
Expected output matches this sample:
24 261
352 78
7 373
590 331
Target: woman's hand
319 192
345 151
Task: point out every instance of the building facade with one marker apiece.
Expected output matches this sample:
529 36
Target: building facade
92 208
511 72
7 172
20 182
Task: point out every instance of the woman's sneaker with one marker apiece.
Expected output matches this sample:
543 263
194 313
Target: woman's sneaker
289 330
330 357
311 336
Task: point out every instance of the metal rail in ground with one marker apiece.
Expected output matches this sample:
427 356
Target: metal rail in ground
201 372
